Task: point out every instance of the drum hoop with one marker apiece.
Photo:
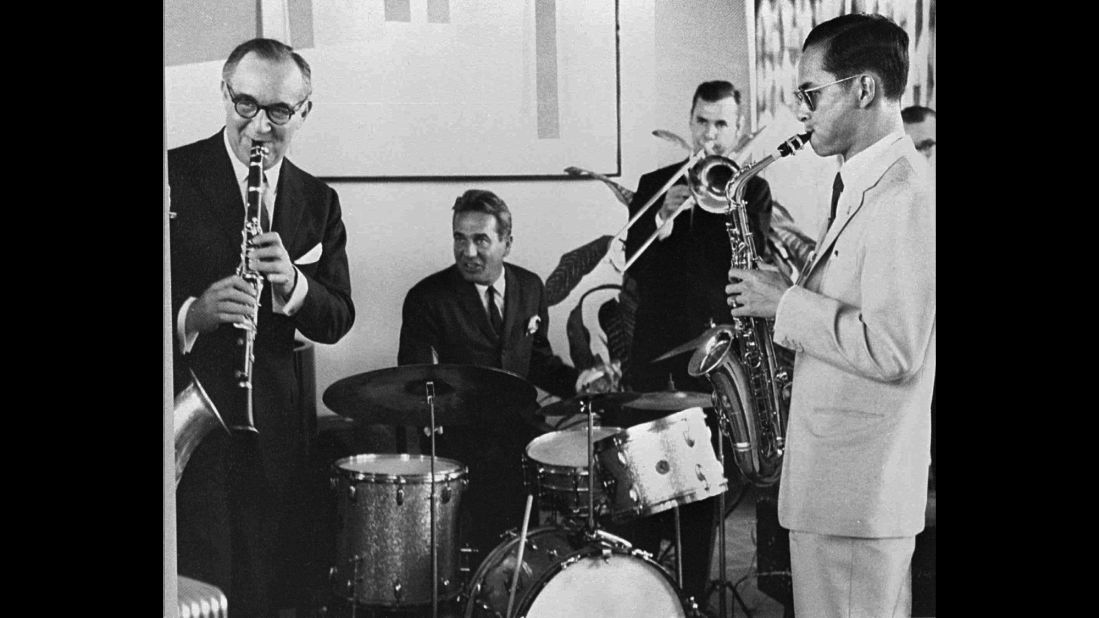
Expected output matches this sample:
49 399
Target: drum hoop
546 437
629 434
358 476
625 515
591 549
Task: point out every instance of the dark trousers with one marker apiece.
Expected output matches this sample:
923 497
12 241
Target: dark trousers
235 530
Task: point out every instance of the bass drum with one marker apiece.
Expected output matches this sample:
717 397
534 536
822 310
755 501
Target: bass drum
566 575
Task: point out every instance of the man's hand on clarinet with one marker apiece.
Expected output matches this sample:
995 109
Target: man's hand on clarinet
755 293
270 258
226 301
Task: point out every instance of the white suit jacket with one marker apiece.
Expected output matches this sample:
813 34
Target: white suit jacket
862 324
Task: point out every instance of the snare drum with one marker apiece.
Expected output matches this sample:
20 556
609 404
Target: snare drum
555 470
564 575
654 466
383 534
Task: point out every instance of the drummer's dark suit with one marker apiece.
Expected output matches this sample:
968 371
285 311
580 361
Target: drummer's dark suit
237 494
681 286
443 311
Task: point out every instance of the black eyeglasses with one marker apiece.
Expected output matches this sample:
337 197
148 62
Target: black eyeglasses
803 94
247 107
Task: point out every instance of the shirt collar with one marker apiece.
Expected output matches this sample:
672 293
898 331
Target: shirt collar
240 170
499 285
866 166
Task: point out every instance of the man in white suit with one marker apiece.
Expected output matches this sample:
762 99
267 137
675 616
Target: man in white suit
862 323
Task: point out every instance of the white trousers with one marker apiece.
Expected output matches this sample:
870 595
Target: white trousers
848 577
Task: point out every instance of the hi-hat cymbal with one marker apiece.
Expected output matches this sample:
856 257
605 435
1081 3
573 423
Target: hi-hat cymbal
670 401
464 394
693 344
574 405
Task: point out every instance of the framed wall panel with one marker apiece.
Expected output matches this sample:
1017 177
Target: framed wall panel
442 88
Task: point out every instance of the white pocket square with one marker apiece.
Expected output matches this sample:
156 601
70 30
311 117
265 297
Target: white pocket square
310 256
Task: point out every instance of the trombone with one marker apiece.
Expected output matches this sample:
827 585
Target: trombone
707 177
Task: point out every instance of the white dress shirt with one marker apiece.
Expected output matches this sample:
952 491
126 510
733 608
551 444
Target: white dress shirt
499 286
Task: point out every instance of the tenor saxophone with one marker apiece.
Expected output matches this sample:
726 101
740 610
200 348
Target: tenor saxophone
252 228
749 382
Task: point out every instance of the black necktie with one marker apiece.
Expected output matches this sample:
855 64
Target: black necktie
494 316
837 188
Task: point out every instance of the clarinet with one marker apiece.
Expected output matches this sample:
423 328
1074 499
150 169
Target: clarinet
252 228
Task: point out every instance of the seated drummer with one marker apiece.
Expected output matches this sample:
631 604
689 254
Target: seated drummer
481 311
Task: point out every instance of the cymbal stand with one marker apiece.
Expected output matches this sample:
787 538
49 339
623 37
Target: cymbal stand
430 391
678 550
586 404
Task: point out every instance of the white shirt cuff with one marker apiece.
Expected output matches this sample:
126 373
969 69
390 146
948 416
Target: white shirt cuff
185 342
297 297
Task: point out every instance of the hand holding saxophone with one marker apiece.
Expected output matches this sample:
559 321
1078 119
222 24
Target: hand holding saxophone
227 301
756 292
268 257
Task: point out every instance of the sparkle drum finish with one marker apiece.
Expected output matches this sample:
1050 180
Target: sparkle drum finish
555 471
383 534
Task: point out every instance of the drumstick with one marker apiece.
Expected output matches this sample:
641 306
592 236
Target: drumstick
519 557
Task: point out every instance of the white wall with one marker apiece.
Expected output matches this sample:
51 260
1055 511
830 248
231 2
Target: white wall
399 232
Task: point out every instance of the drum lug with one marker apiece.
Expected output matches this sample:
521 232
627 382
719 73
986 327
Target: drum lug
688 438
398 591
702 476
446 494
400 491
351 492
464 554
606 553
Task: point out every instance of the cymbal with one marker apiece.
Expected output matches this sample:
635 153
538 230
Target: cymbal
574 405
693 344
670 401
464 394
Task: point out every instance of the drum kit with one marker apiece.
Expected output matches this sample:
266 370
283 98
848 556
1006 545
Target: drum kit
398 545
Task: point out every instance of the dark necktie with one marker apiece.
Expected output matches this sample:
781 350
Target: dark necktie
837 188
494 316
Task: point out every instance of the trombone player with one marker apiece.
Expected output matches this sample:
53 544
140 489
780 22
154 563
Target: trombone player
681 278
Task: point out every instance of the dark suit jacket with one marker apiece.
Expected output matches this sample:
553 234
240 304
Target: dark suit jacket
681 279
443 311
205 246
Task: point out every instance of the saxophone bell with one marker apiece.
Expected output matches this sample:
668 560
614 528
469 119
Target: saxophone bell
193 416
